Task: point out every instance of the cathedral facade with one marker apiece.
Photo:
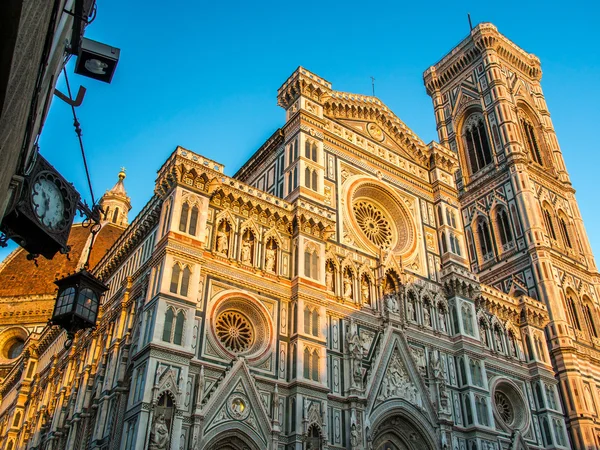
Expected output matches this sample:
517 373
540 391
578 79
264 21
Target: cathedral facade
350 287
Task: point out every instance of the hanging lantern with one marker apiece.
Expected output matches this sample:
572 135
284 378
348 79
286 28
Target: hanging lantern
77 302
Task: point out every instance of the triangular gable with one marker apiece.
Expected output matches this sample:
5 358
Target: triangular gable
397 379
236 403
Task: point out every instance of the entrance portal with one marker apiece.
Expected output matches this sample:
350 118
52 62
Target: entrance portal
400 433
234 441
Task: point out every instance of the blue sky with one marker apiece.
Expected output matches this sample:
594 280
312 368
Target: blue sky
204 75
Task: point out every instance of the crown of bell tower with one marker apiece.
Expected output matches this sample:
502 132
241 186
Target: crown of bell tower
115 203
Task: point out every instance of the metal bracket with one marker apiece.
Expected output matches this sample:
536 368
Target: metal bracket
75 103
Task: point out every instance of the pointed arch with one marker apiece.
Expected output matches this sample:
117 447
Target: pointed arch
475 141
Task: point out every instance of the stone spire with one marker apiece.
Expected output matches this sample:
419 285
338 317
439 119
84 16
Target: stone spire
115 203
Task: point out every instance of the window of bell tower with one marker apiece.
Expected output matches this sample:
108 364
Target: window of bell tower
476 142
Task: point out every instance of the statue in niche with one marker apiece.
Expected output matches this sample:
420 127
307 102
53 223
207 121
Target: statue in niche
223 240
247 251
270 256
483 333
356 352
390 303
364 290
442 320
159 434
498 339
329 273
410 307
389 288
427 315
347 285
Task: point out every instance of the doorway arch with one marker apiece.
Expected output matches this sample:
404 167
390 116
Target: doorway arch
401 431
233 439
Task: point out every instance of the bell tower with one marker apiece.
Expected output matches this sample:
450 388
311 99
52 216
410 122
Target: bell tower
116 204
523 228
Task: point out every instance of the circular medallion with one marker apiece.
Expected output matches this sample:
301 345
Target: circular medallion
375 131
510 407
373 223
237 406
234 331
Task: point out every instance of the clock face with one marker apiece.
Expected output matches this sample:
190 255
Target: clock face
48 202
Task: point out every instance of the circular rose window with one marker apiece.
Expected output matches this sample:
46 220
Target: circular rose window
378 219
240 327
234 331
509 406
373 223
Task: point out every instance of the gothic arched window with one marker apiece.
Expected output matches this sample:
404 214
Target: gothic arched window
548 222
531 142
476 142
183 219
573 312
168 327
175 273
315 366
503 225
589 317
180 280
485 240
178 335
315 322
307 363
564 231
315 182
307 178
116 215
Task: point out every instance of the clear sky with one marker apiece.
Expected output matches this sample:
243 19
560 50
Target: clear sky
204 75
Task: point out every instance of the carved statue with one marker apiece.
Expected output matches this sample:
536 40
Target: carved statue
498 340
222 241
201 382
364 290
329 278
347 285
354 436
276 403
356 353
483 333
442 320
435 366
247 251
427 316
159 434
410 307
390 303
270 255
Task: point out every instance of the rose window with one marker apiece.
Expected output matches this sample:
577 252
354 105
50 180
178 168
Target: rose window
373 224
234 331
504 407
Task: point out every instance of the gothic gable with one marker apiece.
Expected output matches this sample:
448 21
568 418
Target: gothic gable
236 402
396 380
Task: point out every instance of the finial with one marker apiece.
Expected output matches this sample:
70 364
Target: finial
122 174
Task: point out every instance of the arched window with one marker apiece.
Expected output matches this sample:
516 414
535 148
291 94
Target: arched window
295 145
548 222
573 312
589 317
467 316
307 363
550 397
472 254
165 225
313 155
307 149
175 274
477 143
539 396
185 281
168 325
193 221
440 215
503 225
485 241
315 366
546 432
307 315
444 245
531 142
294 318
454 244
307 178
183 219
559 432
315 182
564 231
294 361
315 322
178 336
116 215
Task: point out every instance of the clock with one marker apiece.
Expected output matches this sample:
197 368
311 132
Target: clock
47 200
40 216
